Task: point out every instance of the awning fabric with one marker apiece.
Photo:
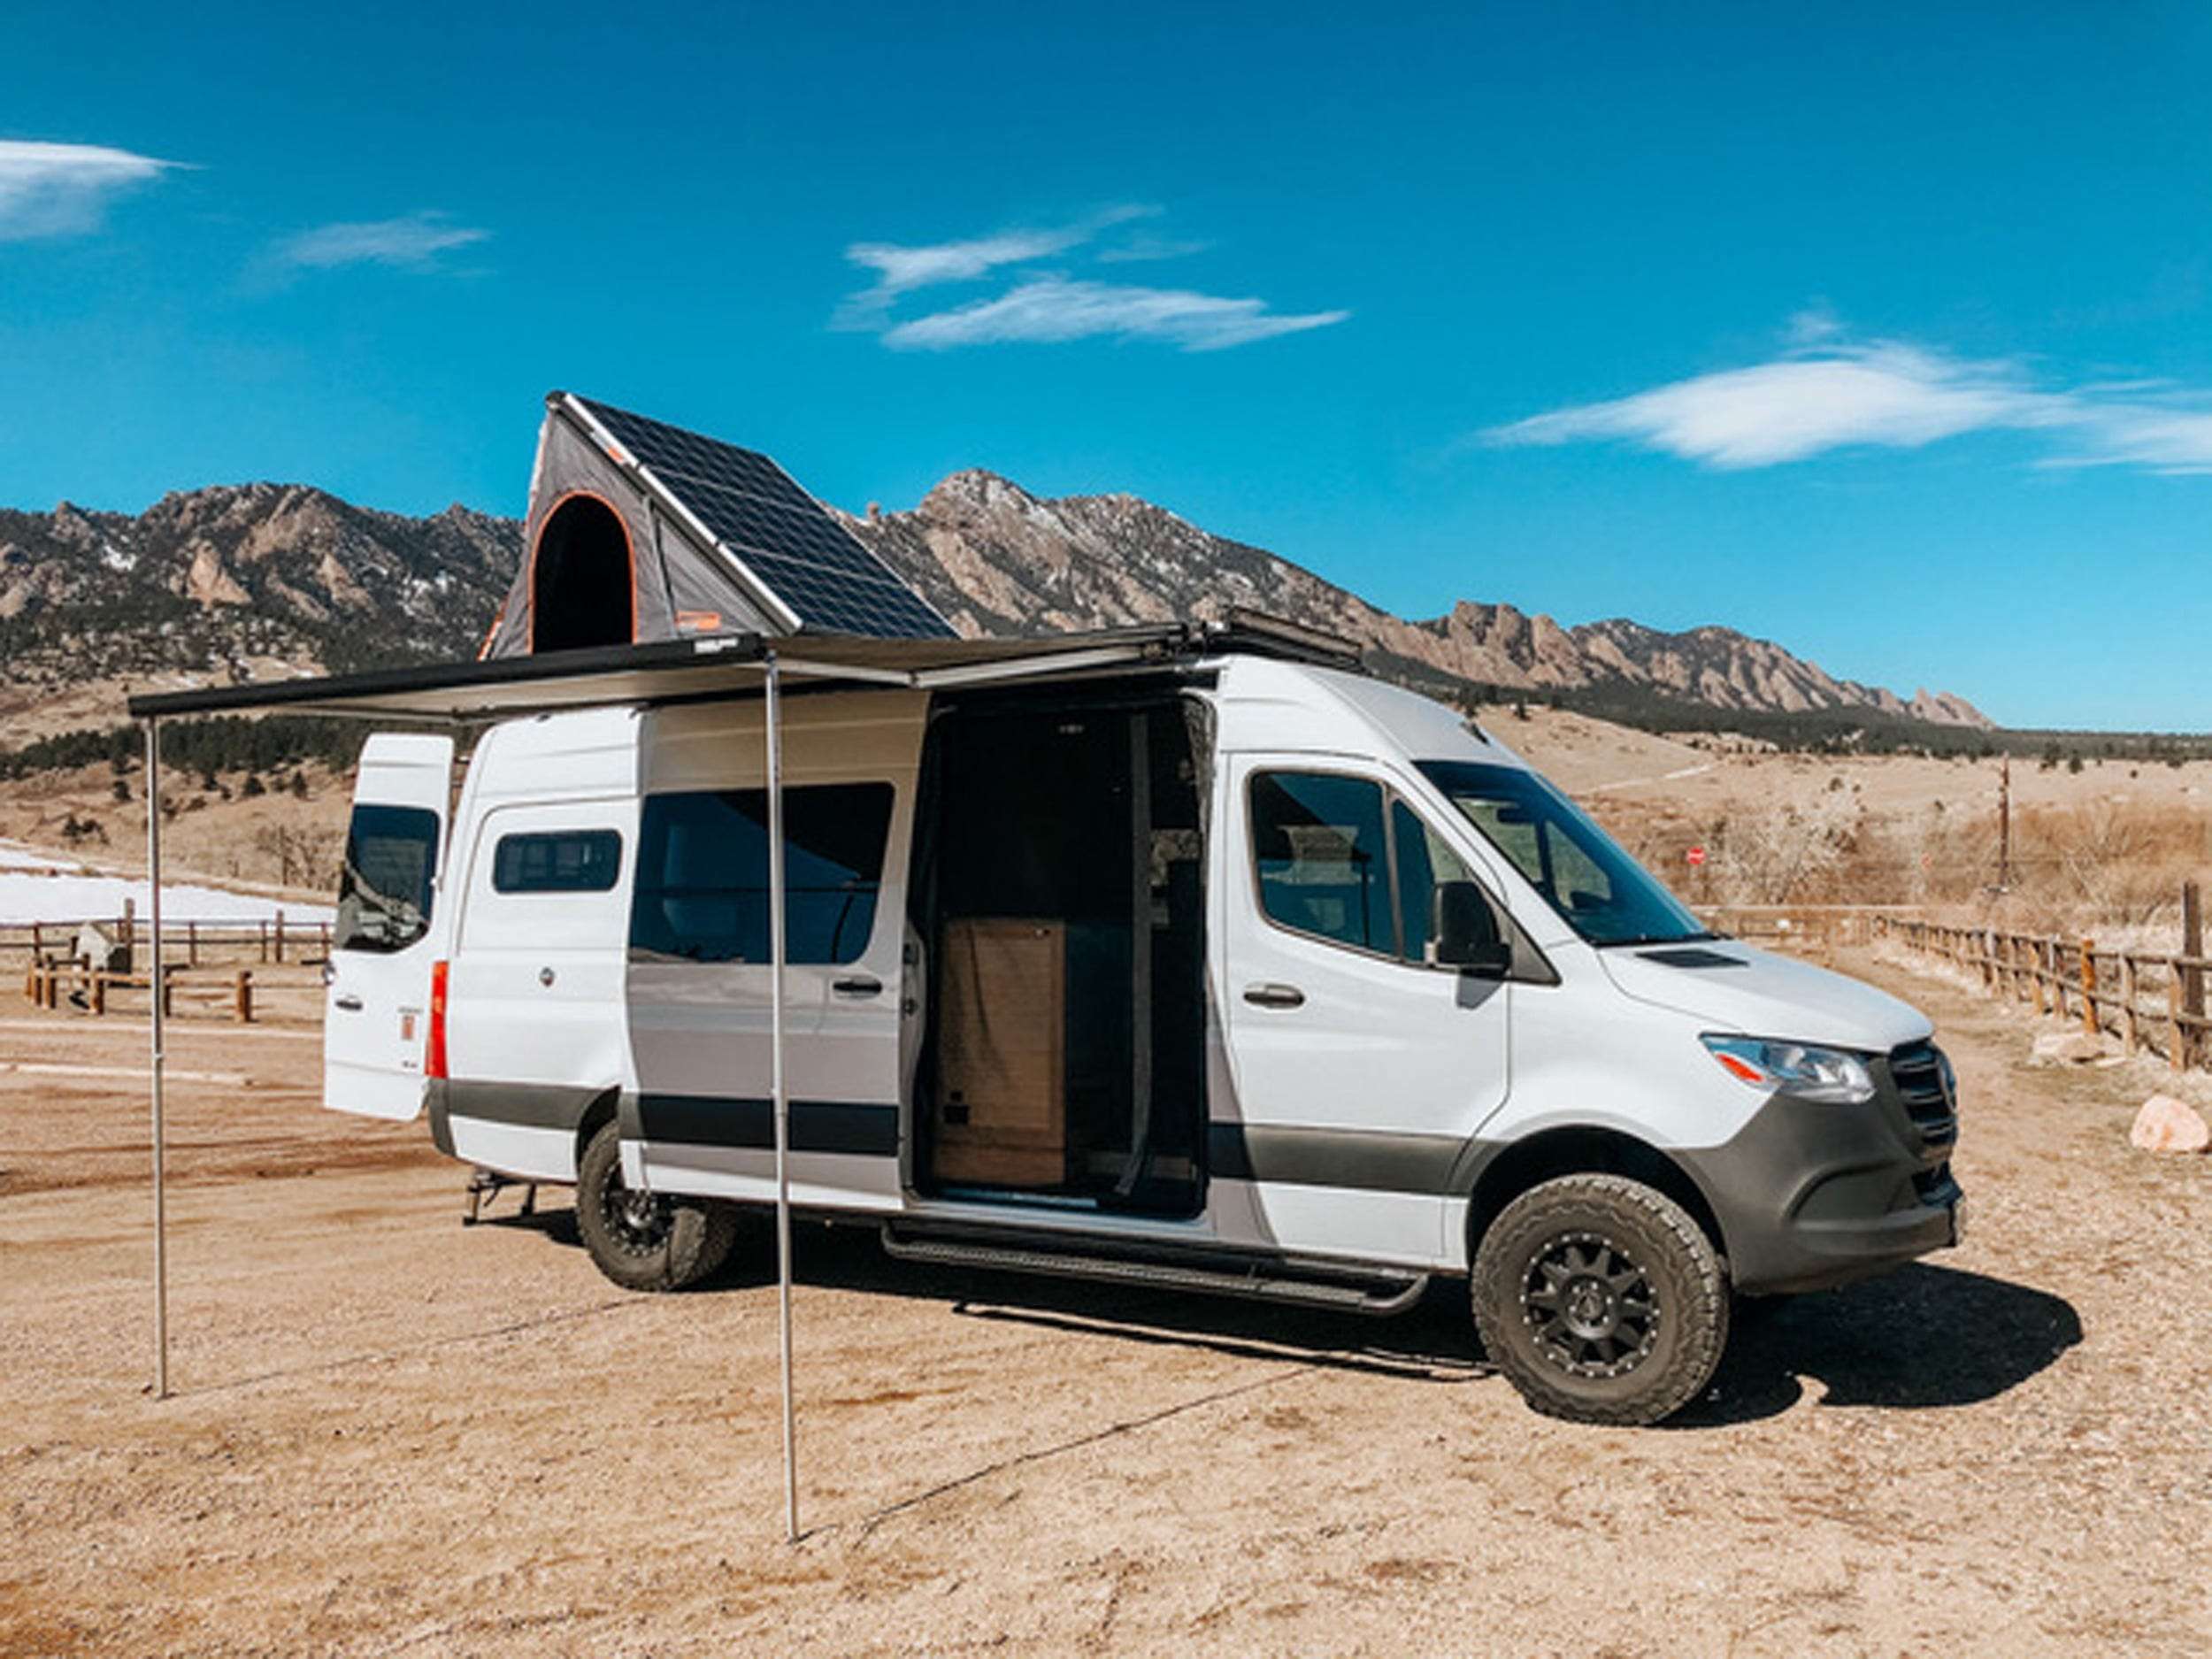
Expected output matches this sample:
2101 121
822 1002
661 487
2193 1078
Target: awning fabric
500 687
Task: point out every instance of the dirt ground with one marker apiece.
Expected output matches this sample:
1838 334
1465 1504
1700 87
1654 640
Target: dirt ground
392 1434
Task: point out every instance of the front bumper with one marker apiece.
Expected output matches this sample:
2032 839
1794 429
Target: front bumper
1810 1196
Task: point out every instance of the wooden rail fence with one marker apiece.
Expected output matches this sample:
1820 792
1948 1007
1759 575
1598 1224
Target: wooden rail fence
271 939
48 984
2139 996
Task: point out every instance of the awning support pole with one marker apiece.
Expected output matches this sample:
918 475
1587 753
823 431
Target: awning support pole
773 717
154 978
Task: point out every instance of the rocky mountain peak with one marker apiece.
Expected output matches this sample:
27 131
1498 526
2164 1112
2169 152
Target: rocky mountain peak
996 559
212 581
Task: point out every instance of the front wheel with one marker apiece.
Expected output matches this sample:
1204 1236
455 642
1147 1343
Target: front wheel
646 1241
1601 1300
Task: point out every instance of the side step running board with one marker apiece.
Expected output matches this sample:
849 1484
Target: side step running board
1376 1295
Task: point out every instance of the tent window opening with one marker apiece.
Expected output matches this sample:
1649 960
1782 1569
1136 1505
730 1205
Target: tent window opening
580 578
701 892
564 861
384 885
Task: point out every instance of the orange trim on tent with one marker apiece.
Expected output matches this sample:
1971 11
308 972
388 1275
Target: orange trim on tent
629 549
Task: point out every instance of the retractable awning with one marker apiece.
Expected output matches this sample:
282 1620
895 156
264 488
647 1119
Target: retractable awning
736 666
500 688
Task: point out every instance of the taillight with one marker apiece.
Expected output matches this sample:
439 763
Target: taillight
434 1050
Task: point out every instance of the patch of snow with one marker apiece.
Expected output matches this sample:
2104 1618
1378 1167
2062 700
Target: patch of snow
115 558
26 897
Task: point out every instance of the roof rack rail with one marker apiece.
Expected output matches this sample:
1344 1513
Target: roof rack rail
1262 633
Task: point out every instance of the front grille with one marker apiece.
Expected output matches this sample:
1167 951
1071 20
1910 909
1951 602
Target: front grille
1917 1071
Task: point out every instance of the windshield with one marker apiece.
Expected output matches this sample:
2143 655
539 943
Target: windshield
1582 873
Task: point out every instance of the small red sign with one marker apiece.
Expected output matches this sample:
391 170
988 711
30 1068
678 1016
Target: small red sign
1697 856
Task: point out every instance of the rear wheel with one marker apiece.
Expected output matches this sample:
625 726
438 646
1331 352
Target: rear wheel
646 1241
1601 1300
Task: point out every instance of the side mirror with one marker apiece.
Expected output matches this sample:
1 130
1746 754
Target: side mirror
1463 931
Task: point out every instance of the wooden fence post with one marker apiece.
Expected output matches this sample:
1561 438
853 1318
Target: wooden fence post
2193 978
2177 1050
2131 1039
242 1003
2089 1020
192 944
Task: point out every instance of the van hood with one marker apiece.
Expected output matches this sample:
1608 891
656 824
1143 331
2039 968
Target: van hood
1732 987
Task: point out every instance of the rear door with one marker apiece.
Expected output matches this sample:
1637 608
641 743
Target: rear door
376 1015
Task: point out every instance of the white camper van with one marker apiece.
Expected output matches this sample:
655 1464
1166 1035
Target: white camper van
1214 966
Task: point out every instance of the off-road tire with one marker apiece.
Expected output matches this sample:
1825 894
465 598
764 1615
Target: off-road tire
1659 1361
685 1240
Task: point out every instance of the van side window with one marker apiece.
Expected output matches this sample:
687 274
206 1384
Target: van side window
701 892
384 885
1323 866
557 861
1423 860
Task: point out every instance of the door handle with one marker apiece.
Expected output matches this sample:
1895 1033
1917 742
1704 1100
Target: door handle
859 985
351 1005
1269 996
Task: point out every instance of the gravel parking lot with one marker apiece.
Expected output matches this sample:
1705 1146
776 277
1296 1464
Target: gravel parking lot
392 1434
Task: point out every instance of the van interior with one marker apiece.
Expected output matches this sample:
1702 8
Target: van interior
1059 888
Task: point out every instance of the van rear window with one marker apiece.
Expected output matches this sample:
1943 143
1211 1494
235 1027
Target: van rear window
384 885
701 889
557 861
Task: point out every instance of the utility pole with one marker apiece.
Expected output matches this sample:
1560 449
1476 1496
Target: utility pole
2004 823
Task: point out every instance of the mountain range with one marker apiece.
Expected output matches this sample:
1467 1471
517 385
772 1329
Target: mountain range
236 582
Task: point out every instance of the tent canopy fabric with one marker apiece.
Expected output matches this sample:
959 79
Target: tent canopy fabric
640 533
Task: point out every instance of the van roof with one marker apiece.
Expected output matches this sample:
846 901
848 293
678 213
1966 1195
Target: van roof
731 665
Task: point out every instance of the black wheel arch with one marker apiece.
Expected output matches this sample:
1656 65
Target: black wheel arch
1515 1166
601 1110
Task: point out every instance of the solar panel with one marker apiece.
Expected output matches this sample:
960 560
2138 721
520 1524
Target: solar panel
786 540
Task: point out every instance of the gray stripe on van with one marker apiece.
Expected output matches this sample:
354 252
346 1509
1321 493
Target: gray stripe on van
748 1122
523 1105
1371 1160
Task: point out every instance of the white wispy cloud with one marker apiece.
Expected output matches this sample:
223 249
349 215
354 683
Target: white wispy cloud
901 268
412 241
1828 392
1144 247
1056 308
49 189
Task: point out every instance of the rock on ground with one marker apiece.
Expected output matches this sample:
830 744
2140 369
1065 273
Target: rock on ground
2073 1047
2166 1125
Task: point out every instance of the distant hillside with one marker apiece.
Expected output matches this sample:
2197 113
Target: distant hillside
223 583
996 559
238 582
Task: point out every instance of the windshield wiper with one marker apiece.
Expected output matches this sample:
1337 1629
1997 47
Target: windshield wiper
1653 939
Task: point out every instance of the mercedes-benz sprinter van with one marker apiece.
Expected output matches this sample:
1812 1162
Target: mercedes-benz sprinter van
1224 972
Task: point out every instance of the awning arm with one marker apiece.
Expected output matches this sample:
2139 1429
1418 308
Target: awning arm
778 1093
159 1061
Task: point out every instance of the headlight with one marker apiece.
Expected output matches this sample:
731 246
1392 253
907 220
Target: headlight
1832 1076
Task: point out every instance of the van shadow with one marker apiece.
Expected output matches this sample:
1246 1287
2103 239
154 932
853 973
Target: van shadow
1921 1337
1435 1341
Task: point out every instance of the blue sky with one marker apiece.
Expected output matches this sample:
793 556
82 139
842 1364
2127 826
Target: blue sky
1883 331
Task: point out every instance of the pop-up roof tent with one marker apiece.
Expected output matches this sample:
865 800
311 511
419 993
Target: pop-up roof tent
640 532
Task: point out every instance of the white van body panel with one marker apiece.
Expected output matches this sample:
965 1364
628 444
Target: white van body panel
1345 1127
